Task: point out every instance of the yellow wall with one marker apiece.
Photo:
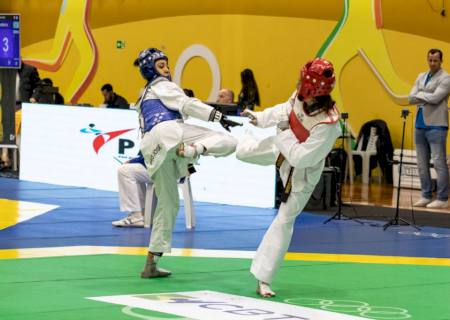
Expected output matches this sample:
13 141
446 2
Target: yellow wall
275 64
366 99
272 38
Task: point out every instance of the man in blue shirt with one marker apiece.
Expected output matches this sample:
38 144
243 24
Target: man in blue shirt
430 93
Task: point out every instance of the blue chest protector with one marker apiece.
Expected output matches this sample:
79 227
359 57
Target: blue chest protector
153 111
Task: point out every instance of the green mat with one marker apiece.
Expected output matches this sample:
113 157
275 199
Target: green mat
56 288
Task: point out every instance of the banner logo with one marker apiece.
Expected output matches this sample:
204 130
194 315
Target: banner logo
207 305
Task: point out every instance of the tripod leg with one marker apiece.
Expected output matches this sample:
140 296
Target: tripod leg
395 221
410 224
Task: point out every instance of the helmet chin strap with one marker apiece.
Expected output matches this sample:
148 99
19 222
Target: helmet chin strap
312 108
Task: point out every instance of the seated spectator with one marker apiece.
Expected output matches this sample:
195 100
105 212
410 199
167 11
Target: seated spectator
45 92
5 162
133 179
225 96
189 93
112 99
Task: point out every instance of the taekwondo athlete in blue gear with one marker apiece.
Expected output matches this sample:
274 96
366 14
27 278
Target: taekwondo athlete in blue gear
169 145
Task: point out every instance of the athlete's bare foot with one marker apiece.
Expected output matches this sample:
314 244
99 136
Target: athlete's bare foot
190 151
263 289
151 270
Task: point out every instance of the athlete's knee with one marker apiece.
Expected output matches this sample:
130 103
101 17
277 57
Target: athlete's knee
240 153
230 144
243 152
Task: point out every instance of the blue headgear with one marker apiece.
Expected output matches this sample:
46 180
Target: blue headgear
146 62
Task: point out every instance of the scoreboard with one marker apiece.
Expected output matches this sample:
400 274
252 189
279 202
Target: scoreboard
10 41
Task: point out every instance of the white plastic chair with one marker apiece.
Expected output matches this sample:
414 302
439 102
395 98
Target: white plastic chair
151 201
371 150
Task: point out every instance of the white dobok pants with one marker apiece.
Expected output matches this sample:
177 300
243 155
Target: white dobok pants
271 251
171 168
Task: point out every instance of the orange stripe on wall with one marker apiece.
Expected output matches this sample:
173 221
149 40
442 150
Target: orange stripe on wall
84 85
378 14
58 63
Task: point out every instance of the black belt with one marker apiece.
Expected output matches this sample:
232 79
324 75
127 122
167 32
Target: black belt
288 187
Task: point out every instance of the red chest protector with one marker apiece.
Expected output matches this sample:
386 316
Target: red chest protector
300 132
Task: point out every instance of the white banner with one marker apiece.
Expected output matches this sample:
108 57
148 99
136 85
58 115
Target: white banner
207 305
82 146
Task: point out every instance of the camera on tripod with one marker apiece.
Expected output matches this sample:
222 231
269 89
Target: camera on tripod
397 220
45 92
344 115
405 113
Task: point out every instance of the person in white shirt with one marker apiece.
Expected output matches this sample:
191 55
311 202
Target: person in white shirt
132 180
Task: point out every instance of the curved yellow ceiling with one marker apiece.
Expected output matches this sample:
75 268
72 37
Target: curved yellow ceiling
416 17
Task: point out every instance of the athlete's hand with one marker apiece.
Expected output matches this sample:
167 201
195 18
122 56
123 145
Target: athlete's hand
249 114
227 123
217 116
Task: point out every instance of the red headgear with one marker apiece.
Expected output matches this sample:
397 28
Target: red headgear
317 79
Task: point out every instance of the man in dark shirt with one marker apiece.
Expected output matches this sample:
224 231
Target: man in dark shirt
45 92
112 99
28 81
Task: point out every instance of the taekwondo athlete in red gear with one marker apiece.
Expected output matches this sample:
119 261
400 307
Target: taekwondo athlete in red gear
308 124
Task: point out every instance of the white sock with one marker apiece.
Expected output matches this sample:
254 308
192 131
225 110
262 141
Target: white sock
136 214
